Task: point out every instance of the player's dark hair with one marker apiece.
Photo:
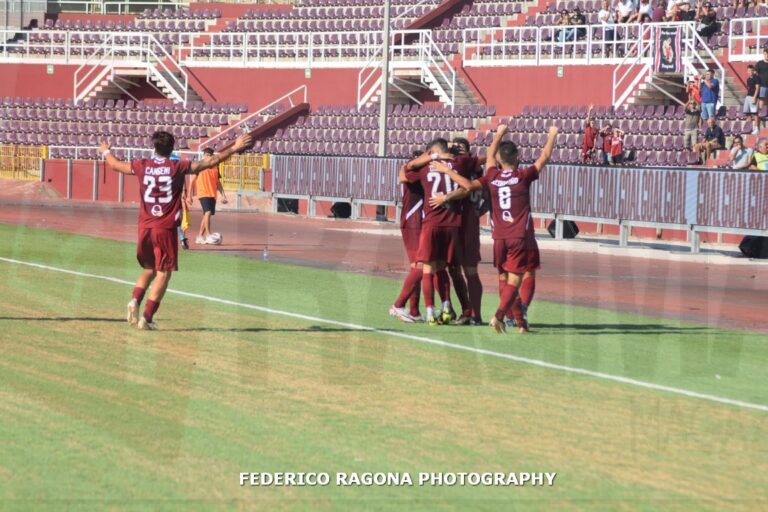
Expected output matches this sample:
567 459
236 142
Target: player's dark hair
508 152
163 143
208 151
416 153
440 144
462 142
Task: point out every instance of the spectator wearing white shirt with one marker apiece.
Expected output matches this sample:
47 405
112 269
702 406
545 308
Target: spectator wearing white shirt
625 10
740 157
607 18
644 12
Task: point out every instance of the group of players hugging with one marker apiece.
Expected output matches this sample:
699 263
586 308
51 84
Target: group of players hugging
445 193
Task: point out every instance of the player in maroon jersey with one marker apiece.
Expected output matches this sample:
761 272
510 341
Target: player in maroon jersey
469 288
161 182
515 252
410 228
438 242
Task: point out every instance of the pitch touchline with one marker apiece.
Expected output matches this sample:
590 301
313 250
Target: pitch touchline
422 339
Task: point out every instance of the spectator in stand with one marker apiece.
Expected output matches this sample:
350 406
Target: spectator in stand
762 73
740 157
607 18
625 10
566 34
760 156
578 19
659 12
750 101
693 90
616 155
590 139
644 12
706 16
674 13
710 93
692 122
714 139
605 133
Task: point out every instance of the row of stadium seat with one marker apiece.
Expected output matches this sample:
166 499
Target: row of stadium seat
128 26
110 104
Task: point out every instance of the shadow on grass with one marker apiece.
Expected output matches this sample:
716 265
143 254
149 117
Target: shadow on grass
310 329
646 329
61 319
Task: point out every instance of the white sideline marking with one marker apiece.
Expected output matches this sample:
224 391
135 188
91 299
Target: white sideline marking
422 339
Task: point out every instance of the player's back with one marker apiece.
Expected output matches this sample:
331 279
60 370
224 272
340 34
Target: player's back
161 182
510 196
413 205
436 183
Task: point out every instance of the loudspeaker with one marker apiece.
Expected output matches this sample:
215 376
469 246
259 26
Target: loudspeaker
285 205
754 247
341 210
570 229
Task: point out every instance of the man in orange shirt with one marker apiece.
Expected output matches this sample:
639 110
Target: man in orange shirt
207 184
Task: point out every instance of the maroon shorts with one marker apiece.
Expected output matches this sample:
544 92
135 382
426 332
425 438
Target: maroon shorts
158 249
469 235
516 255
411 242
438 244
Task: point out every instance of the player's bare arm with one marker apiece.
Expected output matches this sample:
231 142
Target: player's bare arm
192 189
440 199
500 132
115 163
424 159
401 173
240 144
463 182
546 153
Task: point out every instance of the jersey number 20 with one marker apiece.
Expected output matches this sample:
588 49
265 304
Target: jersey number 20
165 187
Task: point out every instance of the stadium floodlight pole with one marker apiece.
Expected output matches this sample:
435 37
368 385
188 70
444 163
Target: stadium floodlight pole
384 84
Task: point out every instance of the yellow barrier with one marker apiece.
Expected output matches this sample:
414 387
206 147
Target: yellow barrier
21 162
242 172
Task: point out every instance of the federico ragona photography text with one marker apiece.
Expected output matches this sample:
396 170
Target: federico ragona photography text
365 479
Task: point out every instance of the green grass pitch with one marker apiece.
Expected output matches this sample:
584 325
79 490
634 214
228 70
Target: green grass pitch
97 415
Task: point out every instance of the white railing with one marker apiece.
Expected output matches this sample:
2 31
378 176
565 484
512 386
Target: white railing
140 50
636 65
289 97
281 49
167 71
747 39
122 152
555 45
113 7
413 50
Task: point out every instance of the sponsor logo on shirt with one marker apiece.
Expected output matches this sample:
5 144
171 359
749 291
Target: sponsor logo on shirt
157 210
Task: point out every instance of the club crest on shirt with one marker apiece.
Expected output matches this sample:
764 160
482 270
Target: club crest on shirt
157 210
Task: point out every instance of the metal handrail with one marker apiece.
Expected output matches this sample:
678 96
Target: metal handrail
108 50
235 126
758 34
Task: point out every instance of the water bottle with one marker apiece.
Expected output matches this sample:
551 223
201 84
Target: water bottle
265 254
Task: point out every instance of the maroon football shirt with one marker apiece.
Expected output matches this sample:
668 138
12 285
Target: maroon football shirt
435 183
413 206
511 201
161 182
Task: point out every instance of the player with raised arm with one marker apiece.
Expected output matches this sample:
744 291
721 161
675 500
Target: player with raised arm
161 183
515 251
438 242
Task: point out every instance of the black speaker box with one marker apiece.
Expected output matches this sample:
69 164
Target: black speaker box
570 229
754 247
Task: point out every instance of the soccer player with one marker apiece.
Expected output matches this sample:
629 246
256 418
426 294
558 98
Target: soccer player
161 181
469 288
207 185
516 254
410 228
438 242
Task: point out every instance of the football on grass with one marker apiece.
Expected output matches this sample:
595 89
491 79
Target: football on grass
214 239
